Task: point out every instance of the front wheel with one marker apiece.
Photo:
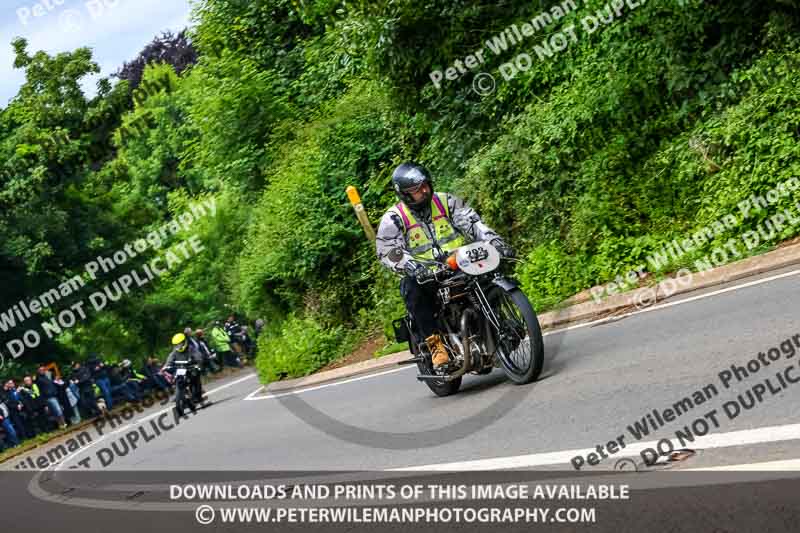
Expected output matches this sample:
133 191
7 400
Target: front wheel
180 401
519 343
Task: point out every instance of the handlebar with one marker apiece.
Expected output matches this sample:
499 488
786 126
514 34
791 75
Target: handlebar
176 364
440 272
439 275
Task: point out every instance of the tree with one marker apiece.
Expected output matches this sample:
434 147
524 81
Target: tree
176 50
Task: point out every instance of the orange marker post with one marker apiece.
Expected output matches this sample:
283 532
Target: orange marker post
361 214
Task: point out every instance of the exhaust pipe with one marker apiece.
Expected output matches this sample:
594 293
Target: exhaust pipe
467 366
467 353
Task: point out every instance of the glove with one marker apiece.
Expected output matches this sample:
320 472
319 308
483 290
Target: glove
505 250
420 272
427 276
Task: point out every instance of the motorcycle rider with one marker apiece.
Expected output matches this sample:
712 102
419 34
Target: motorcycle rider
426 226
181 349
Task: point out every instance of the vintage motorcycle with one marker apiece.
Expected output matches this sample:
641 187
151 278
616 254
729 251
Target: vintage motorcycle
485 319
186 373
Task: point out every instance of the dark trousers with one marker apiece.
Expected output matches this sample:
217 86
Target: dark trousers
129 390
11 433
209 365
196 386
27 428
36 420
421 305
19 425
231 358
104 384
87 401
156 381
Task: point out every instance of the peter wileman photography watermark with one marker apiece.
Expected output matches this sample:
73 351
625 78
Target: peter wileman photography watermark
781 377
733 248
122 444
71 19
156 267
484 83
395 502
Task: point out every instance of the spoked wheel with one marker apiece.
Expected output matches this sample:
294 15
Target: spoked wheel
180 401
520 346
183 400
439 387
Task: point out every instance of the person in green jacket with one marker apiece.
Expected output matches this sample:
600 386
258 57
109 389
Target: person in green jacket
221 342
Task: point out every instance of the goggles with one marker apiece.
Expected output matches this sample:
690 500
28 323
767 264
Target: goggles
415 189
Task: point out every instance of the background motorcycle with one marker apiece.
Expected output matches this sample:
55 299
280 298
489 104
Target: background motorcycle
486 321
187 379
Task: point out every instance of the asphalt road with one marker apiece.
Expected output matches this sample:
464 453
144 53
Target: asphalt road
598 380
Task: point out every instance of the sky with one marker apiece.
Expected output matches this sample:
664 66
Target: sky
115 30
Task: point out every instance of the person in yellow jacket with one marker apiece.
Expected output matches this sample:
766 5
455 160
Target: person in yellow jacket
425 226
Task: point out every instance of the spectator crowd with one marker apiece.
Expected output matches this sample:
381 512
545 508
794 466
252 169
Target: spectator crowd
42 402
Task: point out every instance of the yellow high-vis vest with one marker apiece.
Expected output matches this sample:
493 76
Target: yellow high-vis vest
446 236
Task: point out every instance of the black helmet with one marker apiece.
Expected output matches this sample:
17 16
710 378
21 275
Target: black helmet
410 176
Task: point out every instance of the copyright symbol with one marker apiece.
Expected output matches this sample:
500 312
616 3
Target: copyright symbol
483 84
626 463
204 515
71 20
644 298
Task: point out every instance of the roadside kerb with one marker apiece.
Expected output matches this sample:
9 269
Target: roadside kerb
751 266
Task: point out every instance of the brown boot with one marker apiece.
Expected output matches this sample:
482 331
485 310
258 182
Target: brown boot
438 351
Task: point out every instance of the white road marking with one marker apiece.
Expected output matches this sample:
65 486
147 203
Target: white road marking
715 440
253 395
679 302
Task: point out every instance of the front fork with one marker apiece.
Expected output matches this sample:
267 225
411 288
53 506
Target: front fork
493 330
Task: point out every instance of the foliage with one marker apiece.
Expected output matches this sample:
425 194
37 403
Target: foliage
297 349
172 49
644 131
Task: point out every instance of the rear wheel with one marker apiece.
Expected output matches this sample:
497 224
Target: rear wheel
520 346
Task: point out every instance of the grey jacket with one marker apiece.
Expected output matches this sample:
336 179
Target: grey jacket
393 247
191 351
